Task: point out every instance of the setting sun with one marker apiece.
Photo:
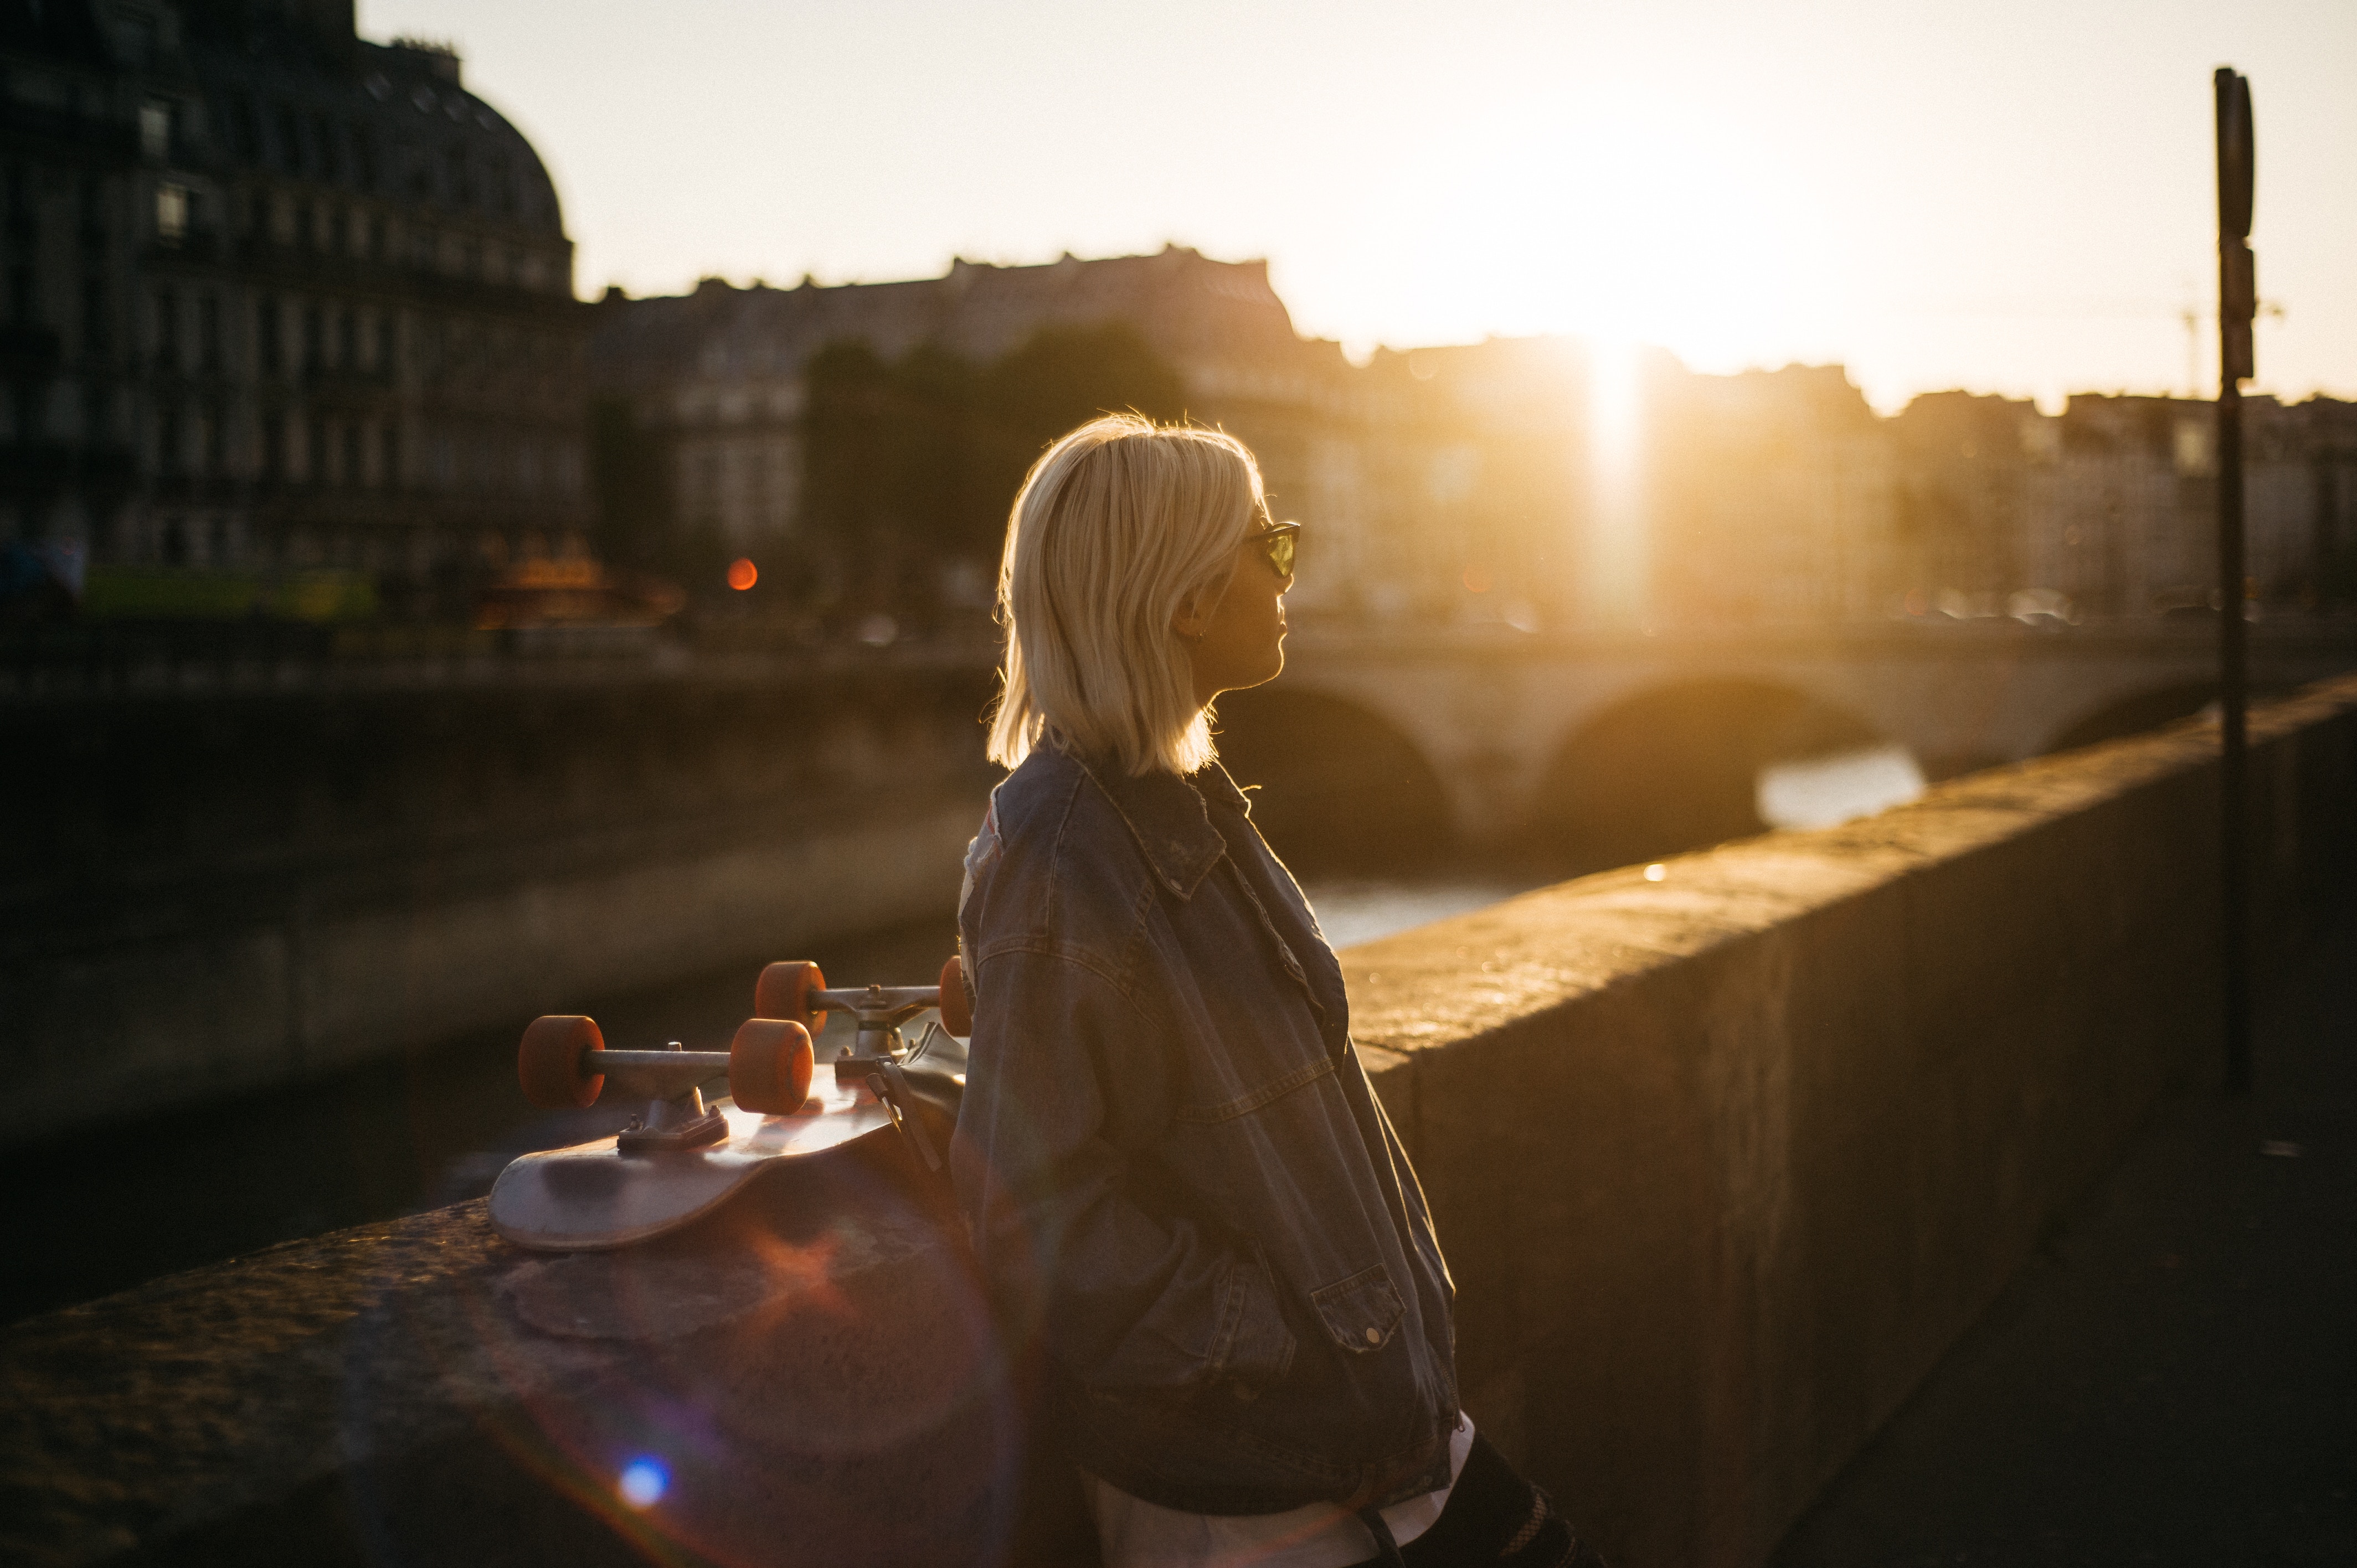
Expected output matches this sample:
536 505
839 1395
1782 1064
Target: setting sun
1613 218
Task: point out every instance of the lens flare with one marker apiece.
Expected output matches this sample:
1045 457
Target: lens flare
643 1482
1615 580
743 573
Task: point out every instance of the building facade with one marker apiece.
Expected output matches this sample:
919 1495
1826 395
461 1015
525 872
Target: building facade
716 378
1544 482
278 296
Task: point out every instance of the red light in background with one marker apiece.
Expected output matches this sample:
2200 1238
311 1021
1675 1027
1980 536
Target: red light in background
743 573
1476 579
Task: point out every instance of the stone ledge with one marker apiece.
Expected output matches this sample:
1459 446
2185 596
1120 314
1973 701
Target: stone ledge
796 1358
1723 1164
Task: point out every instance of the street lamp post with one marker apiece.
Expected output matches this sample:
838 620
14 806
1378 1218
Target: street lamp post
2237 305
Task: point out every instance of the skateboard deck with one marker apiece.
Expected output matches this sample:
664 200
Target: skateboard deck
683 1158
593 1195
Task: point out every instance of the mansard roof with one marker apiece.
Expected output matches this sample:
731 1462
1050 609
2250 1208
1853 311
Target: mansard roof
1187 304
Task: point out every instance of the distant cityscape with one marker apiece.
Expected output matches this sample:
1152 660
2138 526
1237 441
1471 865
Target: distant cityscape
283 301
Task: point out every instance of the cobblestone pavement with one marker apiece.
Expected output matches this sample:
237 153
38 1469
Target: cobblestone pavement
2173 1379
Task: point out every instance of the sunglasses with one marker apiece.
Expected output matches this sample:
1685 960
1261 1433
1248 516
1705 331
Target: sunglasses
1277 543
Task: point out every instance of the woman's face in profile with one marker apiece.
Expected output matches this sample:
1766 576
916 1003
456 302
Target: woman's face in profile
1243 640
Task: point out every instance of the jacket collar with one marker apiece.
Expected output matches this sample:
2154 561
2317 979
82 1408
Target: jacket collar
1166 815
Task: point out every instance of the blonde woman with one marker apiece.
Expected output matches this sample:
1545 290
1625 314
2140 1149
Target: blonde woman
1178 1179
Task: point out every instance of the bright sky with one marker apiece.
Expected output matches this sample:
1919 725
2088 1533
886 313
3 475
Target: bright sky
2010 195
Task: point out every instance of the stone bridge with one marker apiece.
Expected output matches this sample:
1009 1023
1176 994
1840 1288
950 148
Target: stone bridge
1511 729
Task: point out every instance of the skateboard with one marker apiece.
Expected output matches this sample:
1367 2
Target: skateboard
681 1158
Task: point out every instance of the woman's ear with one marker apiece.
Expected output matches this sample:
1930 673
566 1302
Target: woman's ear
1193 612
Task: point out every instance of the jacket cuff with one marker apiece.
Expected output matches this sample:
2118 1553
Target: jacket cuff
1255 1348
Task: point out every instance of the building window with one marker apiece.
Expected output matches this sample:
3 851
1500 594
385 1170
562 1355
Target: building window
266 344
20 202
348 341
94 214
315 331
273 445
32 411
168 438
156 129
290 141
172 205
384 346
216 442
245 131
388 456
315 451
208 344
93 318
323 137
167 332
354 472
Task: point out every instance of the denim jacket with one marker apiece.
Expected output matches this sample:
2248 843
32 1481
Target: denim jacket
1173 1168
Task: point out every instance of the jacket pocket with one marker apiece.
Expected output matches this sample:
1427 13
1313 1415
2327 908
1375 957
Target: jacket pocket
1363 1312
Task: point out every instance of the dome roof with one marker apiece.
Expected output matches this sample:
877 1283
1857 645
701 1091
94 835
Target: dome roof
387 121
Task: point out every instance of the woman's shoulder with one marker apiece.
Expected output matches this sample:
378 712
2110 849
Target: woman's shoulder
1050 821
1043 785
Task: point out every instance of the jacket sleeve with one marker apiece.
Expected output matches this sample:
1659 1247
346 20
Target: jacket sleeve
1125 1299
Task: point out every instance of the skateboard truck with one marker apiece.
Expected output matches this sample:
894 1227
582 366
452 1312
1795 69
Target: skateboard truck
799 992
875 1054
679 1121
565 1063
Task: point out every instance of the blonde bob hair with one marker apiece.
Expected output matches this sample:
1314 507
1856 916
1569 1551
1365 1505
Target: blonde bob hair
1118 527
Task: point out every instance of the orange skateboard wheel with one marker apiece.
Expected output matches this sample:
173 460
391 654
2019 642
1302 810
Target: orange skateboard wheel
550 1065
957 1013
784 992
769 1065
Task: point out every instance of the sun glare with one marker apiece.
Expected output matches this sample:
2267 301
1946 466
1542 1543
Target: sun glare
1615 576
1642 221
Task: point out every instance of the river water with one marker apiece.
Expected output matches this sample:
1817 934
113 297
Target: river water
436 1124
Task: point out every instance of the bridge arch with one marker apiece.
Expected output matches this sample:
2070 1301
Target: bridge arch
1341 787
1675 766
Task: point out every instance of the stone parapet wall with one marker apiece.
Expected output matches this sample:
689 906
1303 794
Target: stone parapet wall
1723 1163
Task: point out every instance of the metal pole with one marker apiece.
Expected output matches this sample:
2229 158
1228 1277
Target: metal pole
2236 306
2234 776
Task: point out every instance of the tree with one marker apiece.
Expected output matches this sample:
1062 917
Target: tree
1061 378
627 467
911 464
